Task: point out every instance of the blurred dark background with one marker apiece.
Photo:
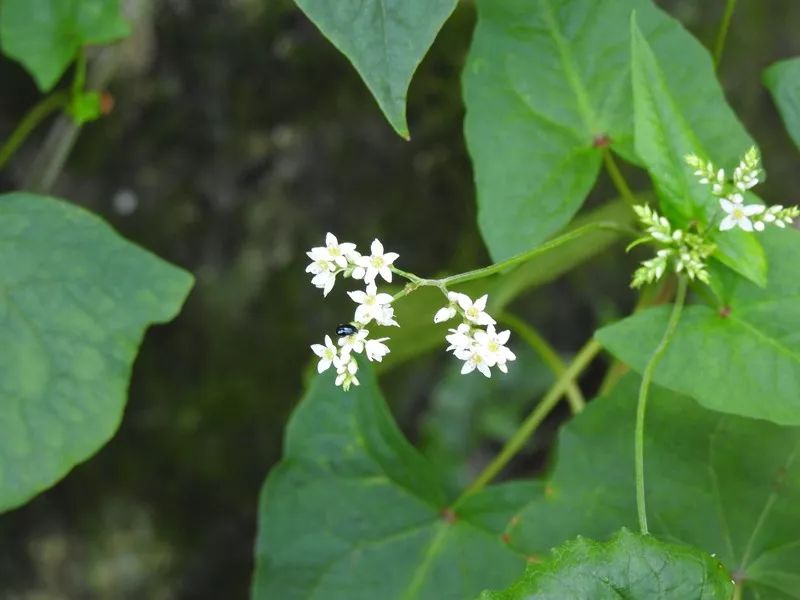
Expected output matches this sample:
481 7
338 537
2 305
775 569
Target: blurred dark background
239 136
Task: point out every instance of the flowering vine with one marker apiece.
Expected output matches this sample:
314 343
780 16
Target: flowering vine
474 341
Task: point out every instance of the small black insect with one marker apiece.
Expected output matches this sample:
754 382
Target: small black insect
345 329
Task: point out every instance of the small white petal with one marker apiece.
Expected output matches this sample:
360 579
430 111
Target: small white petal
727 223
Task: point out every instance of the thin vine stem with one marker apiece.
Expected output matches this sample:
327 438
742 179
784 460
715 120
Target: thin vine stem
737 591
445 282
37 113
644 389
548 355
722 34
515 443
618 178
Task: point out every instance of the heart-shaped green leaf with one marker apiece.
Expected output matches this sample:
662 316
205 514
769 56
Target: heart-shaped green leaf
354 512
634 567
742 357
45 35
385 40
547 84
723 483
783 81
75 299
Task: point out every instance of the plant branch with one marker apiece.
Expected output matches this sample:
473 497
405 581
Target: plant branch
32 119
618 178
548 355
722 34
582 359
644 389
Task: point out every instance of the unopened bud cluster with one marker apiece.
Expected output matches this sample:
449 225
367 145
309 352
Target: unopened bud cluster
730 193
475 341
679 250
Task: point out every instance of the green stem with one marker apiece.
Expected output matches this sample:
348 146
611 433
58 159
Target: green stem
38 113
722 34
618 178
737 591
548 355
582 359
644 389
529 254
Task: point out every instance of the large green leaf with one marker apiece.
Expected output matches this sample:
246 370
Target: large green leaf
783 81
75 300
544 81
723 483
45 35
634 567
385 40
354 512
741 357
663 137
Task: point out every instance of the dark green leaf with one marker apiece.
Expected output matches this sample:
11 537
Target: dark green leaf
723 483
76 299
353 512
783 80
663 137
45 35
385 40
634 567
742 357
545 82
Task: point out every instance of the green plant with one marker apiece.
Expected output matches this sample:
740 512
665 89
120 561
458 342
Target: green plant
695 448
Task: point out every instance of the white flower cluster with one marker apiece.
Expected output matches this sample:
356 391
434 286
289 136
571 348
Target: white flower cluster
479 348
333 258
327 262
686 252
749 217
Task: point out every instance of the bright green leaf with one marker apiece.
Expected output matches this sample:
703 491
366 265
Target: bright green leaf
723 483
663 137
544 81
45 35
742 357
354 512
783 81
634 567
75 300
385 40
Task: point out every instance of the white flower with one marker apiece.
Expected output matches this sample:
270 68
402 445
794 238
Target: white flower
460 338
387 316
738 215
473 359
376 349
475 311
327 354
353 342
333 251
346 369
377 263
371 304
444 314
491 345
324 280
